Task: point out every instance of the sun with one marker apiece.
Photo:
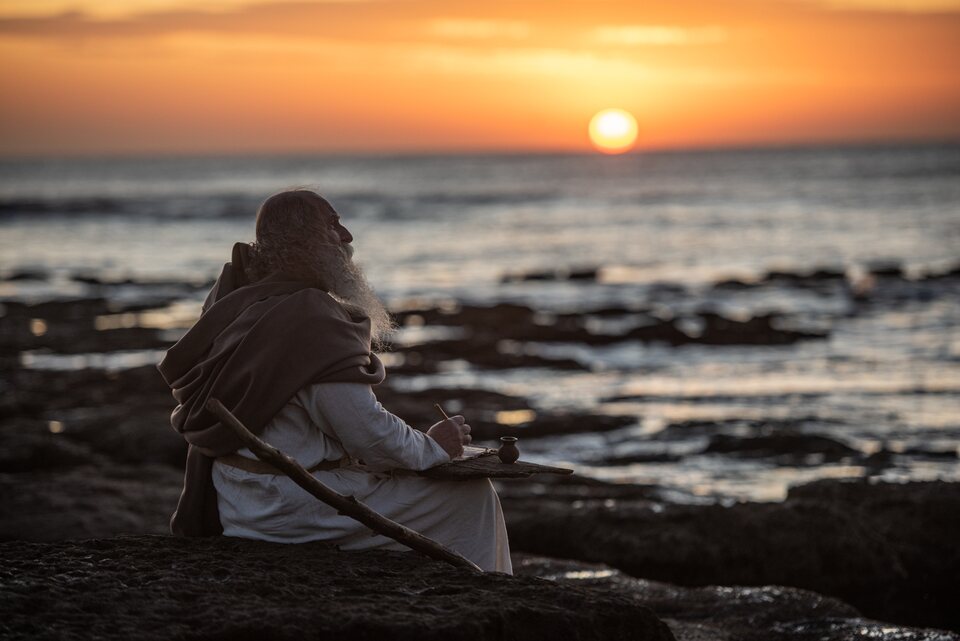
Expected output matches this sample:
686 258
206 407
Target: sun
613 131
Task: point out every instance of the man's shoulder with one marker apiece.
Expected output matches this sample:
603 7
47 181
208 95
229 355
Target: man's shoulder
317 299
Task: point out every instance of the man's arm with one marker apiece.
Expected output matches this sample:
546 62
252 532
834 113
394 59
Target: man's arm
368 431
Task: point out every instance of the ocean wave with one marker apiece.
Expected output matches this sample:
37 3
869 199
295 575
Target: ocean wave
366 204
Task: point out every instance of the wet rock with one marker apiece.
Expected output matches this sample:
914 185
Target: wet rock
557 423
950 272
431 357
88 502
887 549
922 452
886 269
879 460
127 435
151 587
416 406
787 447
71 309
806 278
857 630
486 327
733 613
491 414
91 279
734 284
70 327
578 273
815 279
103 341
123 416
26 274
559 491
30 445
640 457
759 330
741 428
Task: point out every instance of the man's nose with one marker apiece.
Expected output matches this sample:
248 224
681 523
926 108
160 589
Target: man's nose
345 235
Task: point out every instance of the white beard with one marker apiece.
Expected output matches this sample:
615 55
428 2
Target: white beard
346 282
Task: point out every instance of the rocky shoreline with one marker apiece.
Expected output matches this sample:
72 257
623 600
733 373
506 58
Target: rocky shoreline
887 549
152 587
90 472
161 587
835 561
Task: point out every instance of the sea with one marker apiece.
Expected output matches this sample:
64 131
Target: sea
739 233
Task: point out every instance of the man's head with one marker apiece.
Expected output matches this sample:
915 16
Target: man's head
300 234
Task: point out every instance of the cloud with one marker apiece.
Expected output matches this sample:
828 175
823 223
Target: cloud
657 35
897 6
480 29
343 19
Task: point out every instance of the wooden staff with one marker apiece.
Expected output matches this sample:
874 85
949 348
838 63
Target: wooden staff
346 505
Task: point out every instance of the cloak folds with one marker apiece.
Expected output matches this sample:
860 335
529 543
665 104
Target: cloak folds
253 348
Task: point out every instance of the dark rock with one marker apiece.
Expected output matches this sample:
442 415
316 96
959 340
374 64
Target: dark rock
816 279
787 447
486 329
732 613
734 284
950 272
484 411
805 279
67 309
879 460
555 423
29 445
660 332
152 587
886 269
921 452
123 416
69 327
741 428
856 629
560 491
88 502
91 279
577 273
758 330
416 406
888 549
640 457
27 274
430 357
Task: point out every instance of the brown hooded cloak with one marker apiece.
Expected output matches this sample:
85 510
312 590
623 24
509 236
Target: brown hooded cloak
253 348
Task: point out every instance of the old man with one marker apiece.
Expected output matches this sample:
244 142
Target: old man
284 341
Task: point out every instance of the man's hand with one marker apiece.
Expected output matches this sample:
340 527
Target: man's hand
451 434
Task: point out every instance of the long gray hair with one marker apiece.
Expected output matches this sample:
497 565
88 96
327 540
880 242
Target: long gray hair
290 239
290 227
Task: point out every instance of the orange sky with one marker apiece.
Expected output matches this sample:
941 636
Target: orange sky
118 76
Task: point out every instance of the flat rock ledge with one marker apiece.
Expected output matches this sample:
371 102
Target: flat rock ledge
160 587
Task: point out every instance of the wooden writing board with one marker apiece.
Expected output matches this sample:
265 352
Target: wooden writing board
489 466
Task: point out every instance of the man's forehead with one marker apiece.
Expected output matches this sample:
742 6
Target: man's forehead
328 212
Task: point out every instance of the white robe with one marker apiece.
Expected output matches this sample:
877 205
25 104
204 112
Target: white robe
329 420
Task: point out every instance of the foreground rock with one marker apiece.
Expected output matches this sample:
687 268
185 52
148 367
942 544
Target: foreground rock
888 549
88 502
732 613
151 587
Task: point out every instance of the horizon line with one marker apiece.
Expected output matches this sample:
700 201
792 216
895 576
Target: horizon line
533 151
